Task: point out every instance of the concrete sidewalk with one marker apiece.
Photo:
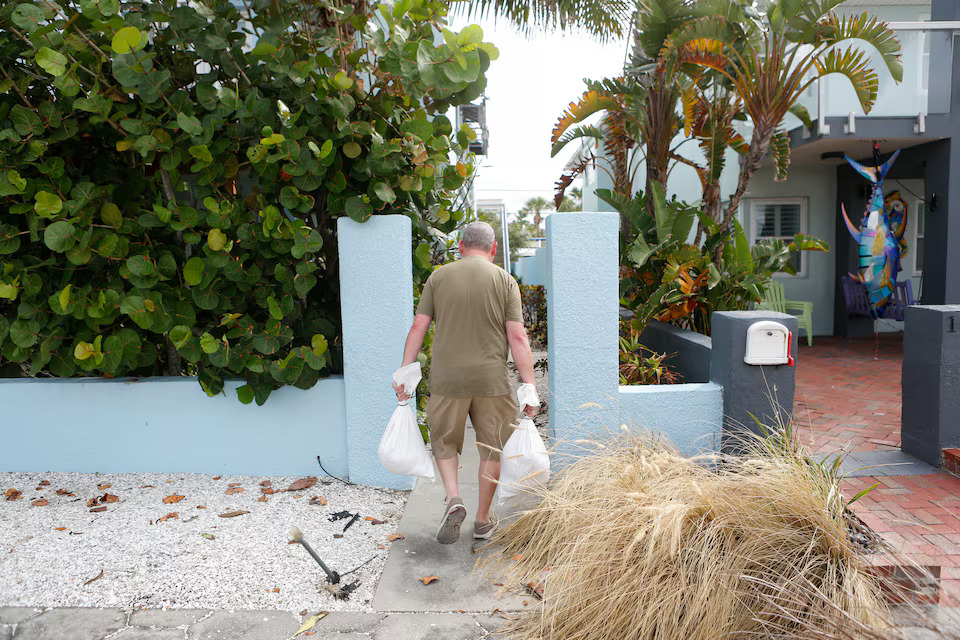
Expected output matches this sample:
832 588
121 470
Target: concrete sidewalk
98 624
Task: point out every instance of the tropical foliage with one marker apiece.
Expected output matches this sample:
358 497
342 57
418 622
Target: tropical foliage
699 71
171 175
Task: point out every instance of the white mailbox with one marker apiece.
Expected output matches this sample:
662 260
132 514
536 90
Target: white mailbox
768 342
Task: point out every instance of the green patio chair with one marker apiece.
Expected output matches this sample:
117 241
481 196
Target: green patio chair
775 301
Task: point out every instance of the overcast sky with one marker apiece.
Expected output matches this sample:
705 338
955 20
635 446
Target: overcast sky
528 88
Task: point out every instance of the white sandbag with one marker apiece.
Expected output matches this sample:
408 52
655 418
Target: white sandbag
524 462
401 449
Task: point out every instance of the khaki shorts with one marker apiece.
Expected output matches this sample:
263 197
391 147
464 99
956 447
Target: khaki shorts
493 418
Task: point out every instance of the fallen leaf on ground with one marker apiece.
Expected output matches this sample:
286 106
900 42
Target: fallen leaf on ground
524 603
148 486
172 499
293 541
208 536
309 633
338 535
103 486
61 528
39 502
233 484
63 492
381 546
321 501
170 516
98 509
233 490
92 502
276 589
374 520
217 477
44 483
302 483
231 514
393 537
267 491
429 579
308 623
200 506
96 577
12 494
265 483
503 615
109 497
262 499
304 612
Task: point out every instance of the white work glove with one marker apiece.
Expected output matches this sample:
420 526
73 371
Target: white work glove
527 396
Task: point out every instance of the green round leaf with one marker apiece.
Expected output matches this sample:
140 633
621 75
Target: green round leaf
245 394
216 239
141 265
9 239
384 192
193 271
59 236
209 344
190 124
47 204
351 150
126 40
53 62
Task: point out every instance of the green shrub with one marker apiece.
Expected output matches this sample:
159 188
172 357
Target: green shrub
171 175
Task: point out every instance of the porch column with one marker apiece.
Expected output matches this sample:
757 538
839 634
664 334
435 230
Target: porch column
376 304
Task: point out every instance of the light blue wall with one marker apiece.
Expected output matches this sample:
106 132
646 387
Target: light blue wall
376 302
169 425
818 186
582 308
532 270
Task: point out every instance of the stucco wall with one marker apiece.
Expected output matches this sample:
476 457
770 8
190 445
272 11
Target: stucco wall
583 303
532 270
817 184
169 425
376 284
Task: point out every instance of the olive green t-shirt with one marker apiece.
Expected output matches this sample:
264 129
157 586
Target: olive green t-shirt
470 301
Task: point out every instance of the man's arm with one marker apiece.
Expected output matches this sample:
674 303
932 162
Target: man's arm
411 348
522 356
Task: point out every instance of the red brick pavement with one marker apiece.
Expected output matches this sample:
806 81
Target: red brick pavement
848 397
920 517
848 394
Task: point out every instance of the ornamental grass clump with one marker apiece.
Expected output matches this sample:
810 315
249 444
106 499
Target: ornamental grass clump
638 542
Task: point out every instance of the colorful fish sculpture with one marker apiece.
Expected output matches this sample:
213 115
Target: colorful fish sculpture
880 237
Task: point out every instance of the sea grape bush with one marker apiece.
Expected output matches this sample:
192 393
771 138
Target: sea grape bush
171 173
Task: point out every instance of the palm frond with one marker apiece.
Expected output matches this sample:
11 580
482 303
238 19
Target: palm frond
872 30
855 65
590 102
584 131
780 149
604 19
577 165
801 113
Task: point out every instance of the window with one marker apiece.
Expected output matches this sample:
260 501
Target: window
920 227
781 218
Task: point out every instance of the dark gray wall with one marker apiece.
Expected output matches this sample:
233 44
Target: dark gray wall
931 381
749 391
690 350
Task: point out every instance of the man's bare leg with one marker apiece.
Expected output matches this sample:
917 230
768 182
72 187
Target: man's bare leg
448 472
488 474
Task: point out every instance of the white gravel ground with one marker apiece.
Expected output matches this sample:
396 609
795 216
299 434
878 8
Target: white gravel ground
248 564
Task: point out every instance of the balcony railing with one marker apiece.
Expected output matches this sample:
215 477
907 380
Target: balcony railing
927 55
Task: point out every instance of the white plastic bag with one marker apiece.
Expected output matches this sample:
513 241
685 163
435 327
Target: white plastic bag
524 462
527 395
402 449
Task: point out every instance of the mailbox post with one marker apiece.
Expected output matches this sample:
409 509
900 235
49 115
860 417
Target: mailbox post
752 359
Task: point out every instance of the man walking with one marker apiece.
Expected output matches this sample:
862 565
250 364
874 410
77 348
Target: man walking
477 309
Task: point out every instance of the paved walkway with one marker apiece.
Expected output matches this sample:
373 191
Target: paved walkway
99 624
849 399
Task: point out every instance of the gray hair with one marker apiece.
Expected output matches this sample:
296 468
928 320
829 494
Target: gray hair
478 235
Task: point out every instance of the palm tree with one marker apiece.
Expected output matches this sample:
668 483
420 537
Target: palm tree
798 44
604 19
536 206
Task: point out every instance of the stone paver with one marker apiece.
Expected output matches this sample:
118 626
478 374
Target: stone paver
143 633
439 626
245 625
168 618
14 615
352 623
71 624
